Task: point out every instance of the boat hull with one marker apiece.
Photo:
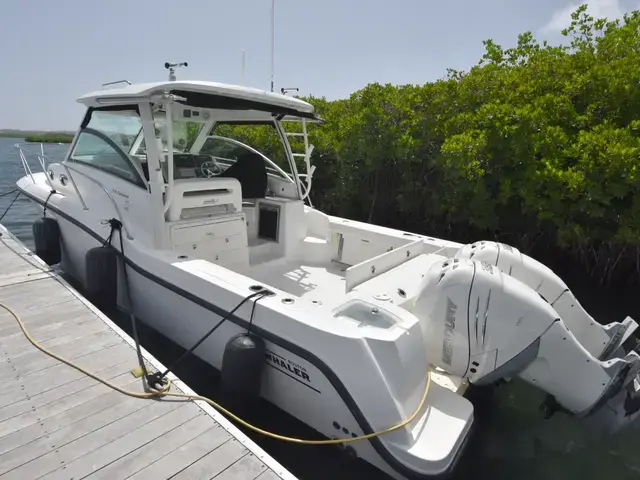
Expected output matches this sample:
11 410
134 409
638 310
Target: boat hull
294 379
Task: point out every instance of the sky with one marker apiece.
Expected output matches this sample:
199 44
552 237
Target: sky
54 51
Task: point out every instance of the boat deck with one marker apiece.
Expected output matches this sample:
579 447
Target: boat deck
318 282
56 422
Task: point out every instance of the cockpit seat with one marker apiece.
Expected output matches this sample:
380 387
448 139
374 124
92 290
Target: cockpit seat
250 170
204 196
316 246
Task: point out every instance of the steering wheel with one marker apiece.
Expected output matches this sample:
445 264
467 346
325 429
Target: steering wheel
210 169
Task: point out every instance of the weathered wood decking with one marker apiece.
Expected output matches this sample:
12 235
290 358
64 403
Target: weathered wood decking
56 423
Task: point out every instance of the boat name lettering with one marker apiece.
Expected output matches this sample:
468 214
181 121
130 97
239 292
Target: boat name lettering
449 327
288 365
118 192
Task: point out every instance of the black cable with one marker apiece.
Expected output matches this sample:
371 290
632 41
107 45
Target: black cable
253 308
10 205
156 380
44 212
8 193
117 225
157 377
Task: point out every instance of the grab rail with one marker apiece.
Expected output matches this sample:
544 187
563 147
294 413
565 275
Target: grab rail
113 202
41 160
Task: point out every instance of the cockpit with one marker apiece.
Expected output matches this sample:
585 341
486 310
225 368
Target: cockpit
209 154
213 194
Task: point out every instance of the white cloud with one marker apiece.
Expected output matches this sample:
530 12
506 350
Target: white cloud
561 19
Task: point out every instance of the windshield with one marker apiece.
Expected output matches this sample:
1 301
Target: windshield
184 134
263 138
226 152
122 127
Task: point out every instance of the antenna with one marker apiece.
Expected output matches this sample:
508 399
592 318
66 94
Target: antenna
172 69
273 40
244 66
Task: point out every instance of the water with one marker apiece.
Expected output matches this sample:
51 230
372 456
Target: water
21 215
512 439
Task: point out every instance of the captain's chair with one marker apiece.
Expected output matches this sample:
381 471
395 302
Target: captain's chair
251 172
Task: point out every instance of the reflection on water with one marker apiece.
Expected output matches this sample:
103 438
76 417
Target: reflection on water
512 440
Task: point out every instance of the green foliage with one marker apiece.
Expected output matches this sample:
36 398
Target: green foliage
536 143
49 138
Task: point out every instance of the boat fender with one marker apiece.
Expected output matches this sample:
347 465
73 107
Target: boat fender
46 236
242 365
101 274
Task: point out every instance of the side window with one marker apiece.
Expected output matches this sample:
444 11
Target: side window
91 149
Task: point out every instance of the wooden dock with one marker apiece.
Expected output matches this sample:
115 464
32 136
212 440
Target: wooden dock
57 423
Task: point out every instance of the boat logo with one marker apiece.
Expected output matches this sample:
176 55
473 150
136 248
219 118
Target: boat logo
287 366
449 327
487 267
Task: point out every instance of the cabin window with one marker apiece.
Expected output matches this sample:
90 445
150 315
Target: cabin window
102 143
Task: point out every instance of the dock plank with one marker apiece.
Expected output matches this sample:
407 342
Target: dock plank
34 416
135 460
46 442
92 363
52 424
70 388
184 455
115 351
24 366
66 455
215 462
247 467
58 423
269 475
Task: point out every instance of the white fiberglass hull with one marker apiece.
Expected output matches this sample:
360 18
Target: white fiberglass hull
295 379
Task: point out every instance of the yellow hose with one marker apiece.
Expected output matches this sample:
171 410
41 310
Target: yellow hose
166 393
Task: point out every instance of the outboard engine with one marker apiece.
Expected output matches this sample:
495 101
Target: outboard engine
603 342
483 325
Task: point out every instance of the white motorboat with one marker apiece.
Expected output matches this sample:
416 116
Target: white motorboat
349 318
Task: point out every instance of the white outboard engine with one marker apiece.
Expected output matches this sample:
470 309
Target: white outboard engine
483 325
603 342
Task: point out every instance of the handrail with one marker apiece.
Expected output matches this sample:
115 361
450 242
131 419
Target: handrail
41 160
75 187
169 138
113 202
287 147
116 83
25 165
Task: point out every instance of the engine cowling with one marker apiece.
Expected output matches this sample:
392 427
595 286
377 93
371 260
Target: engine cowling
602 342
476 319
483 325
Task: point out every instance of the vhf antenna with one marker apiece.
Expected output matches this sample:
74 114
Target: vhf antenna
172 69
